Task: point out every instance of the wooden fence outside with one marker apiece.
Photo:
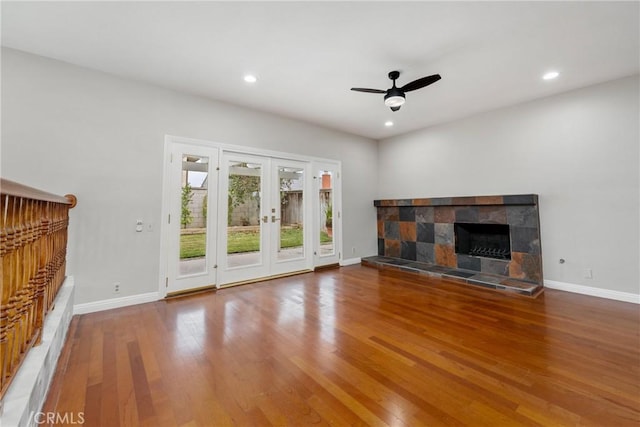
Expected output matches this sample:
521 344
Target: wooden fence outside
33 247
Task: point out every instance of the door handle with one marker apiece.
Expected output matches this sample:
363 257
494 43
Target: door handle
274 219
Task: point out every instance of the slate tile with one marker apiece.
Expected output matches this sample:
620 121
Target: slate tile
520 199
392 230
463 201
408 231
494 266
469 263
441 201
492 214
444 214
407 213
421 202
522 216
381 247
408 250
489 200
392 248
425 232
443 234
466 214
458 273
445 255
424 214
525 266
390 214
425 252
525 239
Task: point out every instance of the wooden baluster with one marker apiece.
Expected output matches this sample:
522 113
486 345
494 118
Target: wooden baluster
14 278
40 276
20 273
11 273
33 329
5 253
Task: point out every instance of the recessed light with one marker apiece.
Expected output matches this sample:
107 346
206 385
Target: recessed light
388 124
550 75
250 78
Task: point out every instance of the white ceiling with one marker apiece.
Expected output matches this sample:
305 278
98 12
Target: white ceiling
307 55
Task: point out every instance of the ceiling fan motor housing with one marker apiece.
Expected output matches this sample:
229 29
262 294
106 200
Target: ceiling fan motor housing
394 97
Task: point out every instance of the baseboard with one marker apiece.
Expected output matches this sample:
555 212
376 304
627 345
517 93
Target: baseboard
350 261
594 292
92 307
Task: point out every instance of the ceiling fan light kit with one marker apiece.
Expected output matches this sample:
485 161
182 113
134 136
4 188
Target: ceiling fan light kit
394 97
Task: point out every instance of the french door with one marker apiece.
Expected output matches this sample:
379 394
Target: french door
265 222
230 216
193 184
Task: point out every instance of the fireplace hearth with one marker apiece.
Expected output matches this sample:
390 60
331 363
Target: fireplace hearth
483 240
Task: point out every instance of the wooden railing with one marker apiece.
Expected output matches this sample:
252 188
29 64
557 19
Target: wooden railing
33 247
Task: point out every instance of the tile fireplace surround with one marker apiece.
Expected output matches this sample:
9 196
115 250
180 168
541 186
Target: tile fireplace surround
418 235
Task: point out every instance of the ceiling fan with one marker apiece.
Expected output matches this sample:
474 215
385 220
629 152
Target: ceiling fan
394 96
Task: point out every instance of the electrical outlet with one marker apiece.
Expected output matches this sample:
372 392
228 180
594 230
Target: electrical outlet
116 287
588 273
353 250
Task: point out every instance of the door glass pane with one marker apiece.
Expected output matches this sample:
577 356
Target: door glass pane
193 215
243 219
327 246
291 224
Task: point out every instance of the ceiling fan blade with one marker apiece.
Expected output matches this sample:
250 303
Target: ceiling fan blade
420 83
361 89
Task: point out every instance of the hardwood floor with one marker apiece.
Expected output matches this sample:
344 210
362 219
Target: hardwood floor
354 346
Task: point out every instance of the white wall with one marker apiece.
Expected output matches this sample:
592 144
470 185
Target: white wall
67 129
578 151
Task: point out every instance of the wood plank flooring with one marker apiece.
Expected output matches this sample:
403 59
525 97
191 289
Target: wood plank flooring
354 346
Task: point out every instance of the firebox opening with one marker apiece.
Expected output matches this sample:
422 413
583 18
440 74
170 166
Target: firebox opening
484 240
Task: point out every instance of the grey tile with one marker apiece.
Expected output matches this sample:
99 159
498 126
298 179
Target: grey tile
397 261
521 199
494 266
467 214
424 214
408 250
439 269
425 252
483 284
392 230
458 273
522 216
485 278
525 239
443 233
380 246
423 266
424 232
441 201
405 202
469 262
407 213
